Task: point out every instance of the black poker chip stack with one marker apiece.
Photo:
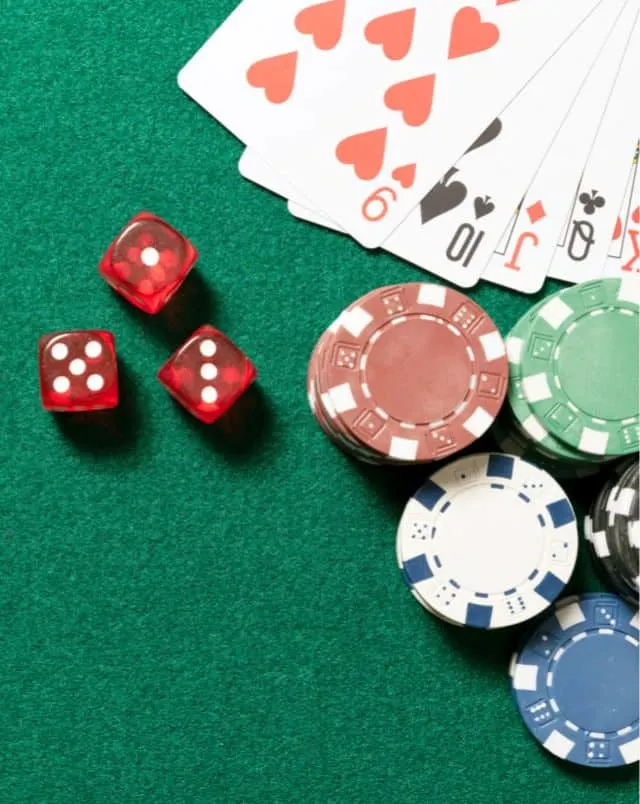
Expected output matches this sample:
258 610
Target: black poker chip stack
612 530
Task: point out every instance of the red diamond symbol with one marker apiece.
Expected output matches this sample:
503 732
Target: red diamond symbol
536 212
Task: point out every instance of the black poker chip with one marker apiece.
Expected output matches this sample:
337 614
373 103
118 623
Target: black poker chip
612 531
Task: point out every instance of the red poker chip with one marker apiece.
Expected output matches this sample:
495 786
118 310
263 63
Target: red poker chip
408 374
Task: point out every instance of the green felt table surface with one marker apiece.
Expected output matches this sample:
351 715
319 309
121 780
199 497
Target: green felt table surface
193 614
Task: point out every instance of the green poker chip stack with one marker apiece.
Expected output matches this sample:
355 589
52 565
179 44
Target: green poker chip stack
574 384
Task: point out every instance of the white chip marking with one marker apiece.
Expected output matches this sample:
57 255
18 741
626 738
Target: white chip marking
95 382
631 751
525 677
355 321
404 448
569 615
208 371
208 348
593 441
492 345
534 429
342 398
434 295
558 744
150 256
621 503
600 544
536 388
208 394
555 312
77 366
61 385
93 349
59 351
479 422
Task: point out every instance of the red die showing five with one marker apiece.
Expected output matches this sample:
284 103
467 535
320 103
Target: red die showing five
147 262
78 371
207 374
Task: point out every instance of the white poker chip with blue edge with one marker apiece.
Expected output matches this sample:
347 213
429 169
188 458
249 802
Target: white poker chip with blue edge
488 541
575 681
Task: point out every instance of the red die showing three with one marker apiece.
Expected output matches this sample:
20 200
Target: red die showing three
207 374
78 371
147 262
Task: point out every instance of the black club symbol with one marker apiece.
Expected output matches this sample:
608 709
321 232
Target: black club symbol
591 202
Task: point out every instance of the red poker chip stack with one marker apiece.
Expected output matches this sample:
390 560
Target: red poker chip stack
408 374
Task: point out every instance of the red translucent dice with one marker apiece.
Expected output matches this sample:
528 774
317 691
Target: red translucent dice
207 374
147 262
78 371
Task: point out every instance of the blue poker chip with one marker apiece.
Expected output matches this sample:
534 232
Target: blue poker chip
576 682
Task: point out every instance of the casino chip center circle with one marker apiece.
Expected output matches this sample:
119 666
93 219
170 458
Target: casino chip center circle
598 694
604 390
480 550
419 352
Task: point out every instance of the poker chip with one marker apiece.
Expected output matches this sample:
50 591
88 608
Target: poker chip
488 541
408 374
527 429
580 366
612 531
575 681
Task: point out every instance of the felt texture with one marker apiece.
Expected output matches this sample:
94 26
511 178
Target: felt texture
195 614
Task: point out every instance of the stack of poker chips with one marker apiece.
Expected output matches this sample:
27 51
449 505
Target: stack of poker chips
573 398
488 541
575 681
612 531
408 374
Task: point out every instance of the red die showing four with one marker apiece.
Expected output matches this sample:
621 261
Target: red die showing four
207 374
147 262
78 371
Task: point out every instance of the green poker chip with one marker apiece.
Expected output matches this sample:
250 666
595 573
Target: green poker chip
526 421
579 363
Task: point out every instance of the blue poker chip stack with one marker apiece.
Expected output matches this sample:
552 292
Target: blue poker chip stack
575 681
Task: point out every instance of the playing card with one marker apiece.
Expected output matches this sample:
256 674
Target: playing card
361 106
253 168
458 224
586 240
624 254
522 259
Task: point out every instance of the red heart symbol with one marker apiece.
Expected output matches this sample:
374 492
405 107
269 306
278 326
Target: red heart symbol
276 75
414 98
394 32
405 175
617 232
323 22
470 35
635 216
365 152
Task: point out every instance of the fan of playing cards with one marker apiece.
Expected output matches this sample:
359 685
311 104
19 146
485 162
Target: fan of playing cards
494 141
